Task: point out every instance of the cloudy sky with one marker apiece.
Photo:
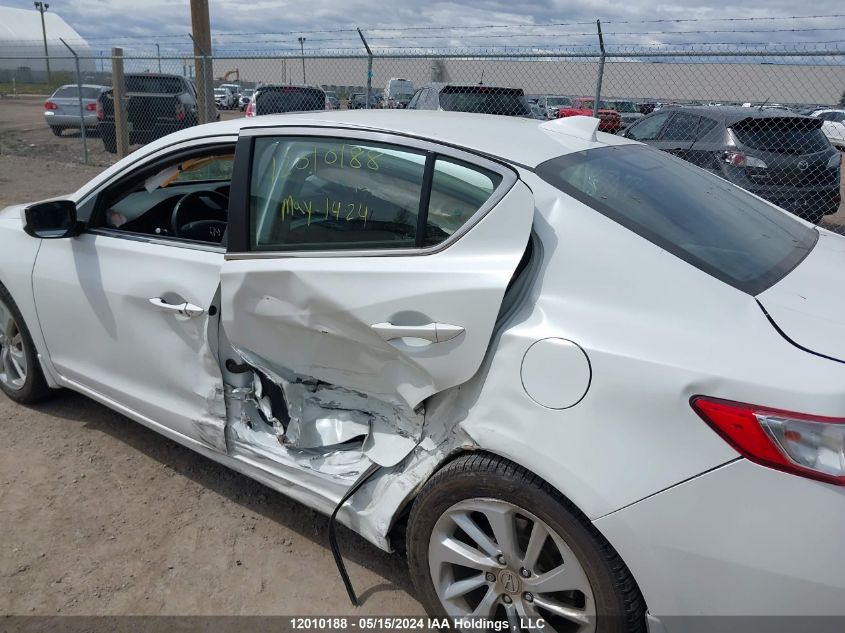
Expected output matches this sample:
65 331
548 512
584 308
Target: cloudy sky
471 23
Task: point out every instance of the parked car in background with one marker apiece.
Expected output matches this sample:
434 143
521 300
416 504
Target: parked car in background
276 99
574 378
628 111
243 100
358 101
398 91
471 98
781 157
157 104
550 104
833 126
333 99
536 113
235 89
610 121
61 110
224 99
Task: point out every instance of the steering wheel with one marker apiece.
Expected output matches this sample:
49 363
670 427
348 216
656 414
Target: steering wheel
206 224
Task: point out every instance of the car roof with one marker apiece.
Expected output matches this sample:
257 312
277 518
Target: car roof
513 139
728 115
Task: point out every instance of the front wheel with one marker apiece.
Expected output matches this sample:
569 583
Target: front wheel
21 377
488 539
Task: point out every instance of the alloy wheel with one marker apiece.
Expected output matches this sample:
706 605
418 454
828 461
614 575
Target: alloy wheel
13 363
491 559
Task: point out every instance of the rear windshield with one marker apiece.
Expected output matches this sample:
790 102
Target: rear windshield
784 135
72 92
153 85
559 101
485 100
289 99
701 218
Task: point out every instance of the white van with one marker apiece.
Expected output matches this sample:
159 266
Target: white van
398 92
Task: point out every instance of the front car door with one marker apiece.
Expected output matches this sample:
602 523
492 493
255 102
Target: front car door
109 300
365 273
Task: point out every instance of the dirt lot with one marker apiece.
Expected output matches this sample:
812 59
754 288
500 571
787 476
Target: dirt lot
101 516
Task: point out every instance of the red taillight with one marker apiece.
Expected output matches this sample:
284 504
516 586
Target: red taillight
250 108
737 159
91 107
797 443
180 111
100 113
49 105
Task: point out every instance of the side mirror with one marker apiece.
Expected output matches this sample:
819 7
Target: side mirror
51 220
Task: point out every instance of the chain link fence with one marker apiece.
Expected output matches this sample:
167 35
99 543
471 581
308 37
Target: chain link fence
768 118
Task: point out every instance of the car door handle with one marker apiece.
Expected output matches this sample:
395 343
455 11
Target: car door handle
186 310
434 332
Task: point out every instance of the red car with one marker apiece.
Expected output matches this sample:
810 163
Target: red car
583 106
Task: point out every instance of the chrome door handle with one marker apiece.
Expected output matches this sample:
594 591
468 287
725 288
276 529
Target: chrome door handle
186 310
434 332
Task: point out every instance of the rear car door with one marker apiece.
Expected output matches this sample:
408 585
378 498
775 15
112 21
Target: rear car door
373 264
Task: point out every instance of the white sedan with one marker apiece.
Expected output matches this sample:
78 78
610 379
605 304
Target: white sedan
833 126
591 382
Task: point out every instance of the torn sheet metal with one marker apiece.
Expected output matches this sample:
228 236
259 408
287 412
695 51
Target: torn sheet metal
323 416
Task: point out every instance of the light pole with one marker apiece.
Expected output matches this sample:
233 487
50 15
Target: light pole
42 7
302 48
158 54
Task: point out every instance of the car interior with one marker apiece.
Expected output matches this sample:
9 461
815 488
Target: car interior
186 198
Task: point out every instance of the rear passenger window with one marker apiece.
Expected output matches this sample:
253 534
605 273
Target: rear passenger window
458 190
322 194
329 194
682 127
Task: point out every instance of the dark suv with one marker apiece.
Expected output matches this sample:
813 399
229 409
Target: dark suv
278 99
779 156
471 98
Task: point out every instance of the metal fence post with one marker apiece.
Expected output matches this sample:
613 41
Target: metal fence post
121 129
369 69
81 108
601 71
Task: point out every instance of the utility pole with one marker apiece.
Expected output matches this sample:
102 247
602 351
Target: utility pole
201 27
42 7
158 54
302 48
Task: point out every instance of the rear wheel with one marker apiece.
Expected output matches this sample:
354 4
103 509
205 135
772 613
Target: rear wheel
488 539
57 130
21 377
109 141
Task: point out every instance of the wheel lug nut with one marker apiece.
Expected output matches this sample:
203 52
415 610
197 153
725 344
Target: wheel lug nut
501 559
506 599
524 572
528 597
491 577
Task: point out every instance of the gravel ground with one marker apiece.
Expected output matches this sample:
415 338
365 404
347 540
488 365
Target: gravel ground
101 516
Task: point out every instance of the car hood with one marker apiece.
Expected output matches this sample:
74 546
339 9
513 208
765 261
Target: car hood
807 306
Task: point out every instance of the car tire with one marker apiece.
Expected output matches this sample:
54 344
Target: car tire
21 376
478 486
57 130
109 142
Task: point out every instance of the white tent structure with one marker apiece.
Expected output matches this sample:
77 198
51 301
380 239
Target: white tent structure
22 43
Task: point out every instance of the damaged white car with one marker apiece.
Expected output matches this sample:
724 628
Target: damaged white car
590 382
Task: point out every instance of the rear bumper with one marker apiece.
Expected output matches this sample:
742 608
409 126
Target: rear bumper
735 549
70 120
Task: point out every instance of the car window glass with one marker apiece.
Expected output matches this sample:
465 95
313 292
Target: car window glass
147 206
458 190
704 126
647 129
682 127
782 134
701 218
330 194
414 100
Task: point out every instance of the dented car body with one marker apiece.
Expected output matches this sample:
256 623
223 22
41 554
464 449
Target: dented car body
350 302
